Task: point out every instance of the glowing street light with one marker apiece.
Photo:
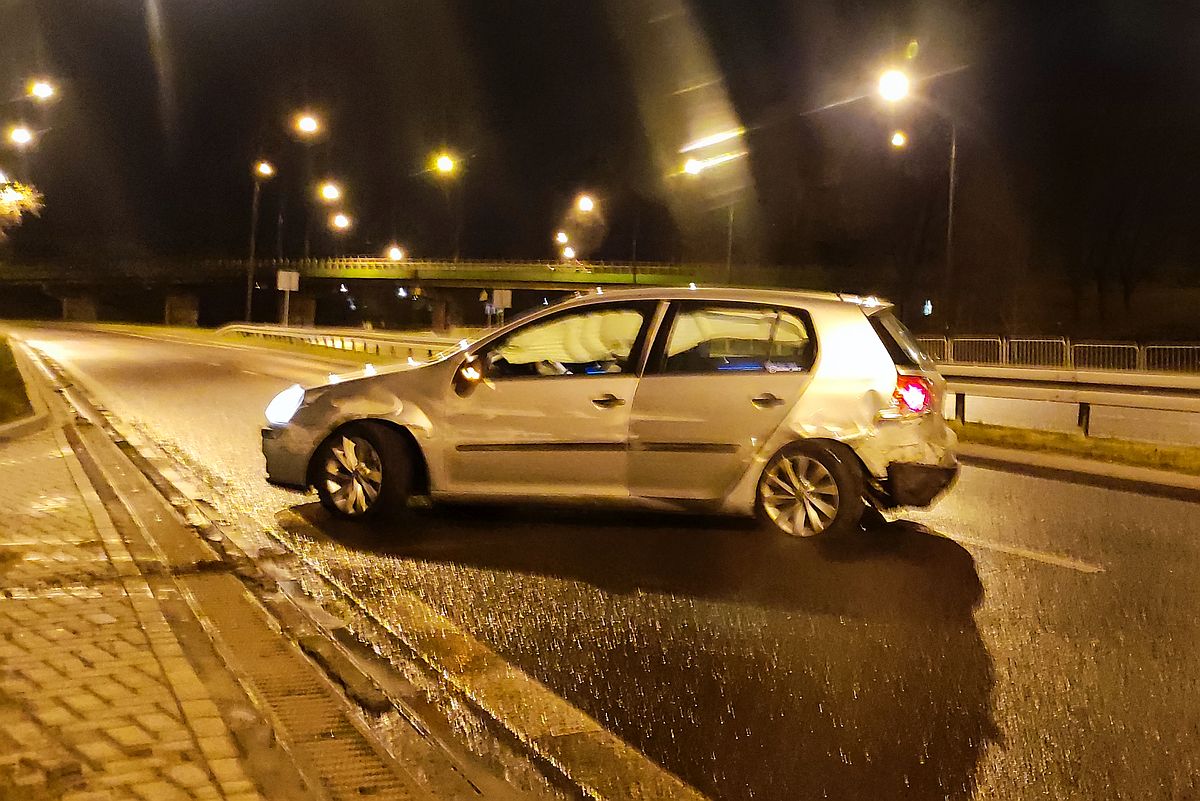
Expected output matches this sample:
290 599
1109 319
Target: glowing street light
339 221
562 238
585 203
693 166
568 252
41 90
20 135
264 169
306 124
329 191
893 86
444 163
899 139
395 253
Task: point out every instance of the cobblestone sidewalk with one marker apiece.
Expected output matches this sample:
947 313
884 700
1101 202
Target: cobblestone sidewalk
96 698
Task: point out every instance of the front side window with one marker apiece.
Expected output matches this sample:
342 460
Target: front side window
595 341
738 339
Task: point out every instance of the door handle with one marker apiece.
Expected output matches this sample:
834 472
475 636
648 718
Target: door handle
766 400
608 401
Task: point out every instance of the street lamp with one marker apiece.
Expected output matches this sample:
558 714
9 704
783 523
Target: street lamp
893 86
263 171
445 164
585 203
693 166
340 221
395 253
20 136
330 191
899 139
568 253
41 90
445 167
562 238
306 124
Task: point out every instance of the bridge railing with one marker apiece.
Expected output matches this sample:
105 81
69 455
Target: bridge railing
1062 353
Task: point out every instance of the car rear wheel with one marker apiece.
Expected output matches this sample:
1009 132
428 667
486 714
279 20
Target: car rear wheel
809 489
362 470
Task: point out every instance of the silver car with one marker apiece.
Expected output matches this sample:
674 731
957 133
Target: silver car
802 408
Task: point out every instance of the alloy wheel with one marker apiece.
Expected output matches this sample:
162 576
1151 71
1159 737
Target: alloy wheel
799 495
353 475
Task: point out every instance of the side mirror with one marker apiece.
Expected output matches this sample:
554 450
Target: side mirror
468 376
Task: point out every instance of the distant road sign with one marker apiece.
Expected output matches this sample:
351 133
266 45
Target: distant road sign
287 280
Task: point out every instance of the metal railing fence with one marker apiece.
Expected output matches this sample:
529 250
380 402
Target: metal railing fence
1062 353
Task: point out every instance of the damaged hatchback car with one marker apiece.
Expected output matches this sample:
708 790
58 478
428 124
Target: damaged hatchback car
805 409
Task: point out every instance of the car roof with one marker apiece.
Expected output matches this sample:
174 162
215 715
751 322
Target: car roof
728 293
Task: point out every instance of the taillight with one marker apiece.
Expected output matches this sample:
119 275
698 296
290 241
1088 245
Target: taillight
913 394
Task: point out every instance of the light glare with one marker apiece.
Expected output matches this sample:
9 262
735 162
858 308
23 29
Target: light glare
41 90
899 139
714 139
395 253
893 86
20 135
585 203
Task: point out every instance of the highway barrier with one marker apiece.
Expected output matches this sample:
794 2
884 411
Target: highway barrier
418 346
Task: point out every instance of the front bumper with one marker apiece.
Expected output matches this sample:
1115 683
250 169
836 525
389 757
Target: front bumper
911 484
286 457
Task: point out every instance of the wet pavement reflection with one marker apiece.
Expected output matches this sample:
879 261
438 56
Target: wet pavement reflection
866 676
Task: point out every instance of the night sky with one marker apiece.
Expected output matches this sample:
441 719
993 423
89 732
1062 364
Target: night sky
1078 128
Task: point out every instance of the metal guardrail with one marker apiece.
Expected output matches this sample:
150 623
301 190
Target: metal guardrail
417 346
1062 353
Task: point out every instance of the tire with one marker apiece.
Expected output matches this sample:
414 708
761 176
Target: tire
362 470
809 489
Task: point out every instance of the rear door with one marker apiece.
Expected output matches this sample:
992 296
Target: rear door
720 379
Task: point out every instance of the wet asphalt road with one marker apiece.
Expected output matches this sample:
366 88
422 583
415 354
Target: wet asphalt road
1029 638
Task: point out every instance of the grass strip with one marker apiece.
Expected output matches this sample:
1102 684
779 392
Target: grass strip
1179 458
14 403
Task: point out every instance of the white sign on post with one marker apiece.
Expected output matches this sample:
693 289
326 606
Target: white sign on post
287 280
502 298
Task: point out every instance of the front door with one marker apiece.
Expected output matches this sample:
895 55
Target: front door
550 414
718 384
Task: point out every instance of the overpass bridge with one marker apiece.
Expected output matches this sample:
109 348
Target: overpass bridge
180 287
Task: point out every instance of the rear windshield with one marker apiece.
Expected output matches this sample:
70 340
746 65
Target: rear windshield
901 345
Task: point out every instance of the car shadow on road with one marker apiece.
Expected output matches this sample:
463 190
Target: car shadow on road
897 570
777 668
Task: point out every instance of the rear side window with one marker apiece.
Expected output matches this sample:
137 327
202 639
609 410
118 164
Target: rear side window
901 345
737 339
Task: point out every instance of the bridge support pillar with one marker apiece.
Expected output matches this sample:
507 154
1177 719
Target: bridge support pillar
182 309
447 310
79 309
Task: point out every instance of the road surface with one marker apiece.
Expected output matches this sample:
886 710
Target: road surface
1028 638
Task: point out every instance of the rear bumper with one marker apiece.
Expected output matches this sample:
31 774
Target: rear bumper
911 484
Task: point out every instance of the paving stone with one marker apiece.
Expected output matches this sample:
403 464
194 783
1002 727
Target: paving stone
160 791
130 736
189 775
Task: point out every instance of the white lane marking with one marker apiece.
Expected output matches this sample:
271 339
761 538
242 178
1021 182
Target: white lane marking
1027 553
254 372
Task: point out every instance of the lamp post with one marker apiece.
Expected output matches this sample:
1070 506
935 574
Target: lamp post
893 88
307 126
446 167
263 171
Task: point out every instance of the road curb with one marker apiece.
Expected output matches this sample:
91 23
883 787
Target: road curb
555 732
1120 476
34 422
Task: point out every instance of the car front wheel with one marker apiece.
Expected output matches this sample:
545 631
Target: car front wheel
362 470
809 489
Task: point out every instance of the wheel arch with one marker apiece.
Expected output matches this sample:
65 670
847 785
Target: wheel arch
420 475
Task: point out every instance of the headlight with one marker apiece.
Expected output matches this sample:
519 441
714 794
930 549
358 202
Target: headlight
284 405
